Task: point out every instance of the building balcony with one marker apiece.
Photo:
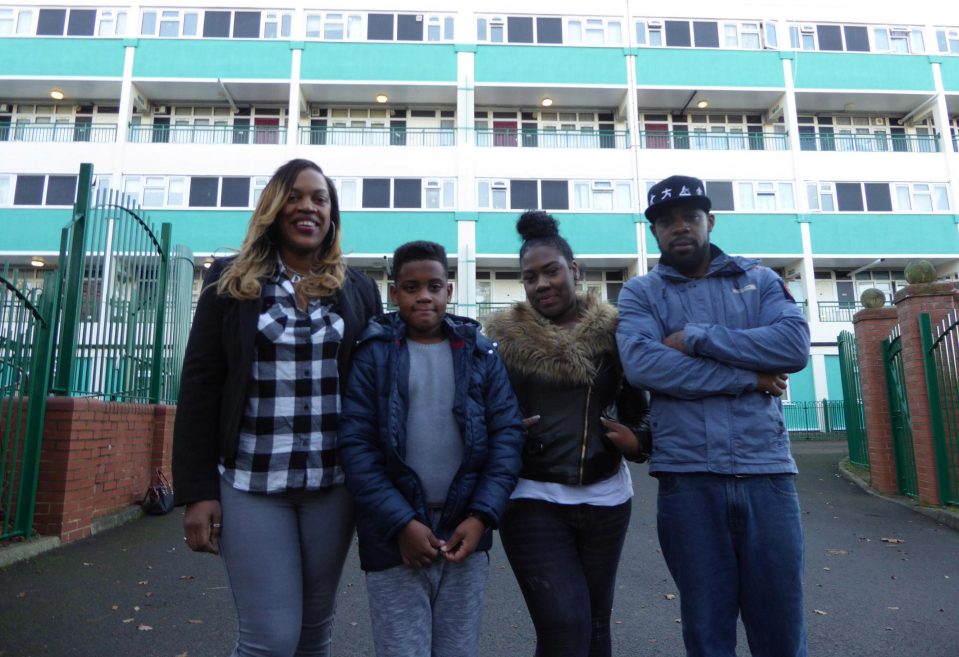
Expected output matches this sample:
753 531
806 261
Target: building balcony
875 142
342 136
59 132
714 141
206 134
522 138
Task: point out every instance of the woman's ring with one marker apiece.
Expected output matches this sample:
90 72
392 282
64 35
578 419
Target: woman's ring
215 525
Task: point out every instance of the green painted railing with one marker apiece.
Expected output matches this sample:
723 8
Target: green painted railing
900 417
713 141
486 308
207 134
522 138
874 142
26 345
852 398
125 303
59 132
343 136
815 420
940 346
838 311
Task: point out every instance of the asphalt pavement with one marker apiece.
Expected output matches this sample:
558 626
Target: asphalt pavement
881 580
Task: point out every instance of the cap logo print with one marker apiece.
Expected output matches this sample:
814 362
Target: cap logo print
684 191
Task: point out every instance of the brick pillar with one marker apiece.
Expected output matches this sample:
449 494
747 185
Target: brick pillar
872 326
936 300
162 455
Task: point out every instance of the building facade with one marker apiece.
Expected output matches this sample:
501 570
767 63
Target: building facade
827 142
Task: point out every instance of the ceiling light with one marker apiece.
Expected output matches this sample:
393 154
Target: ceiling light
208 262
382 98
56 94
703 104
37 262
547 102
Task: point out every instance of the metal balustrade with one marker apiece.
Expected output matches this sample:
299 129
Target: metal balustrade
58 132
207 134
876 142
522 138
713 141
342 136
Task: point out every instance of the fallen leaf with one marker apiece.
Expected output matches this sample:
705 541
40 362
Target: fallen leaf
195 621
670 596
127 620
136 608
679 620
827 568
87 563
143 582
892 540
114 607
186 576
893 608
619 622
144 628
182 654
836 552
820 612
354 624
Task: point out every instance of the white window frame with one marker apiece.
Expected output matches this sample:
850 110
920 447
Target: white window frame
592 24
348 192
485 25
444 190
796 33
23 21
947 40
445 23
494 188
161 15
601 195
7 186
645 28
136 187
916 193
817 192
742 29
750 195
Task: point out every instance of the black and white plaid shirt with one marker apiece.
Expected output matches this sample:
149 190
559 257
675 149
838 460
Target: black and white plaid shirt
288 434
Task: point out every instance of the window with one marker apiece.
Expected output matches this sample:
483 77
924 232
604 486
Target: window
492 194
522 194
721 195
802 37
112 23
438 194
677 34
922 197
902 40
594 31
235 193
219 24
615 195
170 23
821 197
765 196
948 40
649 33
39 190
849 197
439 28
744 35
706 34
6 184
379 27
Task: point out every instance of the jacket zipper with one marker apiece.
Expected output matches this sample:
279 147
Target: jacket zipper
582 452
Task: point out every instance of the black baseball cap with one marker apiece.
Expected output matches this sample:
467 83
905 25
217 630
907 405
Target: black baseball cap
673 190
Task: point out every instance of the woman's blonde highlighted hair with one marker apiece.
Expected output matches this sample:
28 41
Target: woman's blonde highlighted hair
257 257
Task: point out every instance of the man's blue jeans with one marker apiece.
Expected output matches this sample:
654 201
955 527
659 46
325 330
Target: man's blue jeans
735 545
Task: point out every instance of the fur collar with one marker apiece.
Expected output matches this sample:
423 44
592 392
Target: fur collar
530 344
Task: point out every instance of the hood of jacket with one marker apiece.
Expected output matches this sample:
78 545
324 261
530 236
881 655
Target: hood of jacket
533 345
720 264
390 326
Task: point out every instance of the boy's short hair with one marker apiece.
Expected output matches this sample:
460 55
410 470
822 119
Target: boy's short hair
418 250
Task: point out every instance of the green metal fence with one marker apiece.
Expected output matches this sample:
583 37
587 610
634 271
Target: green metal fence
713 141
59 132
393 136
207 134
26 342
899 416
531 138
124 299
815 420
941 354
852 400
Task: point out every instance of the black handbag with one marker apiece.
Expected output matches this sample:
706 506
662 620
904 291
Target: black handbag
159 496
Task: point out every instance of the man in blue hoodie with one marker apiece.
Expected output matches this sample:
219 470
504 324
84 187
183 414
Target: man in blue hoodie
712 336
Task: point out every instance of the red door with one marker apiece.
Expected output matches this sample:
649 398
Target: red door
656 135
267 131
504 133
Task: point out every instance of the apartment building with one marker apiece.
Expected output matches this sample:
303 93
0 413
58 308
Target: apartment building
826 134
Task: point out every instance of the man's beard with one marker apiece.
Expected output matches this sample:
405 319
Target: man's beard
689 263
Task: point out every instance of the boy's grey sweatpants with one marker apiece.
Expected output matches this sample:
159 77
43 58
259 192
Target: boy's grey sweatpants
430 612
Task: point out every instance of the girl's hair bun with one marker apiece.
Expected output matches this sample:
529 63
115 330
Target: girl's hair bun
536 224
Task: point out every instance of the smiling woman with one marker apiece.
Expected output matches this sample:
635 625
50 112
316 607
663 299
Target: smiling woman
254 446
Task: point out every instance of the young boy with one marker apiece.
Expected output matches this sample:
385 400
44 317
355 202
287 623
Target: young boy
430 438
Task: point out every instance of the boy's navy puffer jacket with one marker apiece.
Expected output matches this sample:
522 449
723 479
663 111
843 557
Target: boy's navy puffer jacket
371 441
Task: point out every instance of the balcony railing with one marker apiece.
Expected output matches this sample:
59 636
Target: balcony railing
875 142
207 134
714 141
514 138
486 308
838 311
339 136
59 132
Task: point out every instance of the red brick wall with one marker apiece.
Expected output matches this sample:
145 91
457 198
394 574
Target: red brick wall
97 458
872 326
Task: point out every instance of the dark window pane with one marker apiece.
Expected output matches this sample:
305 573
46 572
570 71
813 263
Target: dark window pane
61 190
549 30
857 38
236 193
246 25
379 27
830 37
50 22
29 190
522 195
216 24
376 192
519 29
849 197
555 195
677 34
407 193
721 194
878 197
408 28
82 22
706 34
203 190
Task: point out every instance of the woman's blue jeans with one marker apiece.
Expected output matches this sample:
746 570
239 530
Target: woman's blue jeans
734 545
565 558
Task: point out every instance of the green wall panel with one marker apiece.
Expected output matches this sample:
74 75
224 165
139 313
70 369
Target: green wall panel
204 230
801 385
833 378
712 67
212 58
32 229
750 233
950 73
551 65
884 233
379 61
587 233
62 57
826 70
